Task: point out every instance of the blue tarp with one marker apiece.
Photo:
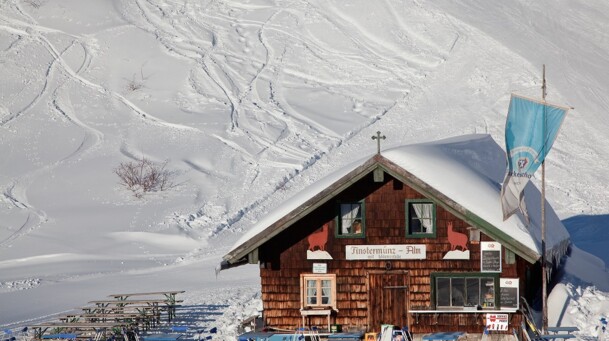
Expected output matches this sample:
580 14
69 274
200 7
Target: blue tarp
445 336
162 337
60 336
273 336
345 336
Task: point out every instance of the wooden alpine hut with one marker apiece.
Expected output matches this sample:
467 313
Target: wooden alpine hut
411 236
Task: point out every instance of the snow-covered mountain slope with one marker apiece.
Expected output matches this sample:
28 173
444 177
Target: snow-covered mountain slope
249 102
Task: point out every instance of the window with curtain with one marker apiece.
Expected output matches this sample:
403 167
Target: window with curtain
318 290
351 220
420 219
459 290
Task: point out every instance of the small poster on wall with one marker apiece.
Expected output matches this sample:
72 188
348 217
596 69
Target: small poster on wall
320 268
490 257
508 293
497 321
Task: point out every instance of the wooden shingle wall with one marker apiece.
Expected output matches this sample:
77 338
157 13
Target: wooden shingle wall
284 258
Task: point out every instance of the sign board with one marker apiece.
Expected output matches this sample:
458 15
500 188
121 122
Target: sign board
508 293
497 321
490 257
320 268
401 251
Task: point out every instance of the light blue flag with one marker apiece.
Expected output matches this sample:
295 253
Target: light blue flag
530 131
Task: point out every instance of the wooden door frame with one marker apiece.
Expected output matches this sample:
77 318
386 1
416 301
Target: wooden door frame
384 272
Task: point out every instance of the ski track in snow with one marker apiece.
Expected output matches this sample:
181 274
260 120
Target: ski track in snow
282 107
165 23
216 70
35 32
93 137
16 195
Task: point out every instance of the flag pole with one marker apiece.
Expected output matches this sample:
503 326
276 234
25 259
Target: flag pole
544 326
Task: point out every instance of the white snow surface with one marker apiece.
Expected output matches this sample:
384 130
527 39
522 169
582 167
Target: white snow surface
250 102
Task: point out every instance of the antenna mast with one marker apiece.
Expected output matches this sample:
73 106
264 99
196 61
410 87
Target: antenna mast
544 275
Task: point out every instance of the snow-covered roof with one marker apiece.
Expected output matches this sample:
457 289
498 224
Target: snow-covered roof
464 173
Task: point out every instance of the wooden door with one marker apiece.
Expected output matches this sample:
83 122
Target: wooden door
387 299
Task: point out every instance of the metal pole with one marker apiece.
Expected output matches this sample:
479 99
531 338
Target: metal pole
544 326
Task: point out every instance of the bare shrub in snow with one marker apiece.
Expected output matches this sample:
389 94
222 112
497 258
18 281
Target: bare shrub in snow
135 84
143 175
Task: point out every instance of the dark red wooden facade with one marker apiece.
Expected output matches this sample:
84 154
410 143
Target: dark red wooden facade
373 292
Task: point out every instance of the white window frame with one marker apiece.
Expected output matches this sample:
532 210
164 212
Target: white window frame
318 278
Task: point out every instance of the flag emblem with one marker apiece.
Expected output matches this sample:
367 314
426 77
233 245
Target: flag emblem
522 163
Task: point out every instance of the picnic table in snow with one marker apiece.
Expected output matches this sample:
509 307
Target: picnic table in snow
157 305
124 311
170 297
151 313
84 328
143 318
104 317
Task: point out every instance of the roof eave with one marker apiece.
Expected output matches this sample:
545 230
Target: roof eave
310 205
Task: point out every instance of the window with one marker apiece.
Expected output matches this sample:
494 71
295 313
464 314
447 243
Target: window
420 219
510 257
452 290
318 290
351 220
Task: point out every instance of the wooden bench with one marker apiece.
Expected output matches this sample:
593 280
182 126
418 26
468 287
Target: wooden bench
168 294
555 336
130 302
312 312
563 329
41 328
554 333
77 325
104 316
108 314
142 318
156 304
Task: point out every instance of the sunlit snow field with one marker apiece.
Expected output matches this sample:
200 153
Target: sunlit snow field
250 102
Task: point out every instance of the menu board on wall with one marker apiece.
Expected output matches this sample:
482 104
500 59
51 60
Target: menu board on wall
490 257
508 293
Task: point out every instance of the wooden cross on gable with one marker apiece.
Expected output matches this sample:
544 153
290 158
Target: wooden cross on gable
378 139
